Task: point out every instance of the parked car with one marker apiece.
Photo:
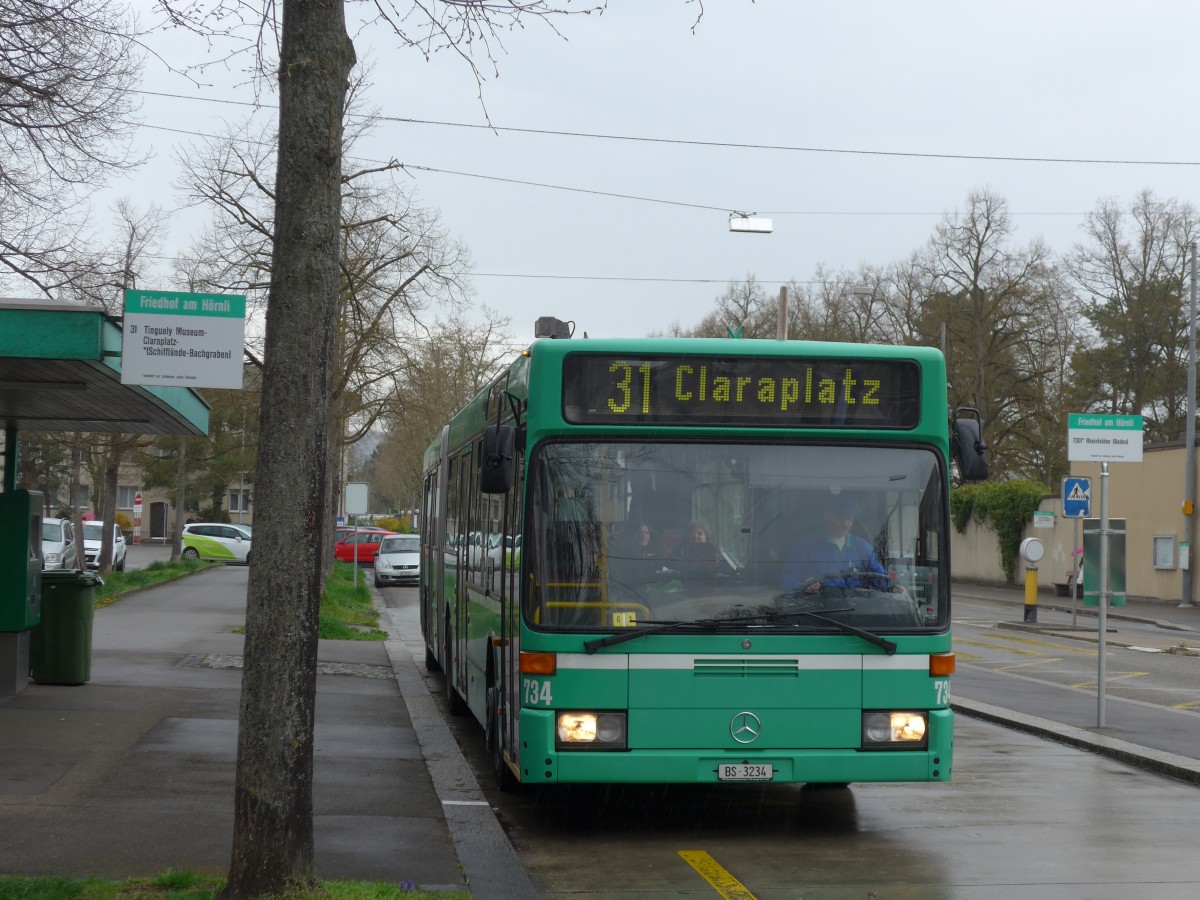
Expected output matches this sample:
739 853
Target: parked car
360 547
511 553
480 546
398 560
93 537
216 541
58 544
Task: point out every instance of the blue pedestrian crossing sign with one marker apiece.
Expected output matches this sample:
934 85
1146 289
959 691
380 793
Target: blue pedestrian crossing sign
1077 498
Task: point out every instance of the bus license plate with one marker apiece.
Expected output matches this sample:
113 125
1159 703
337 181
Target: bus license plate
745 772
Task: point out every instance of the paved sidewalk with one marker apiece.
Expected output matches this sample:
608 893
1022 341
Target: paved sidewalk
132 773
1156 737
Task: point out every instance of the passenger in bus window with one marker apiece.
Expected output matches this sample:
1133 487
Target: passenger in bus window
836 559
634 560
696 559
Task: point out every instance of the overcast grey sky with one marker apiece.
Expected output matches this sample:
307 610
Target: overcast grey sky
882 94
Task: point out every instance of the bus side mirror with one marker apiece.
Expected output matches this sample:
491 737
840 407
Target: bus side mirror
497 458
968 448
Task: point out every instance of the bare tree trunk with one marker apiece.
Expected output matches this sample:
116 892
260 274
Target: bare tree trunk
180 500
107 511
273 824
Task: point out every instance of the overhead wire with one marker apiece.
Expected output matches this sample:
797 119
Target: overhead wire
413 167
739 145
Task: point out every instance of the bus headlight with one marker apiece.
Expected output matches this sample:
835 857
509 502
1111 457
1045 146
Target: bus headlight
898 730
590 731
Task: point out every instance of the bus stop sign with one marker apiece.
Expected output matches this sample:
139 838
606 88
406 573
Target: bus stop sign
1077 498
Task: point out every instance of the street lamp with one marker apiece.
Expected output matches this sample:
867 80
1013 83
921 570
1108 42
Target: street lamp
749 223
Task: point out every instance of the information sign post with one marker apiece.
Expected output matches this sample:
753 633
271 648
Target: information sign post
1076 504
354 498
1103 438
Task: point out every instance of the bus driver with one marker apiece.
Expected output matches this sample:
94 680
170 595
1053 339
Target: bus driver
835 559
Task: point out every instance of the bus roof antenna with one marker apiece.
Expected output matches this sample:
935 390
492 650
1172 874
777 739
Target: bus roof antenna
550 327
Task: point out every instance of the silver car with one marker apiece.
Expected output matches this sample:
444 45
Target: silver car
399 560
58 544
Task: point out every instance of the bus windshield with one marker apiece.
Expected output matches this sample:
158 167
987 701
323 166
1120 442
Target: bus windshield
625 534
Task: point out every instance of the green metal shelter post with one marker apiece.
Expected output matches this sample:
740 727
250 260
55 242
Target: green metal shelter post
10 458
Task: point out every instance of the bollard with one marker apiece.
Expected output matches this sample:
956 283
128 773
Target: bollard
1031 594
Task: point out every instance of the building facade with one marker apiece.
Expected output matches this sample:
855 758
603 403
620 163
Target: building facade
1148 495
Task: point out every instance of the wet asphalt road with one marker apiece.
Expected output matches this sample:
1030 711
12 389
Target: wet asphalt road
1023 817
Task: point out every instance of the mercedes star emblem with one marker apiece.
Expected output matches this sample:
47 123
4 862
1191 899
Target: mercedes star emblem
745 727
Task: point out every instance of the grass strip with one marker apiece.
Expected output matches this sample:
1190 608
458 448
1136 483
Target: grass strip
185 885
118 584
347 612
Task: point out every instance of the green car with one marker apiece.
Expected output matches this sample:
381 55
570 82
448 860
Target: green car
216 541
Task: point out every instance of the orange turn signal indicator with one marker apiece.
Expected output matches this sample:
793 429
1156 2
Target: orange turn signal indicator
533 663
941 664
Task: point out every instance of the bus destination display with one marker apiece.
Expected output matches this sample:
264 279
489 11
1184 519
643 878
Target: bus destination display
738 390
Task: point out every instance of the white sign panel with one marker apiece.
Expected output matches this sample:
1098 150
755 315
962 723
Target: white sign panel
1104 437
356 498
183 340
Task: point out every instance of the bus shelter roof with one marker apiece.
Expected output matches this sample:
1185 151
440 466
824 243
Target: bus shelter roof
60 370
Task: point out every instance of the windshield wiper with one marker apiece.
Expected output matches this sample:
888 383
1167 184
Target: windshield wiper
592 646
889 647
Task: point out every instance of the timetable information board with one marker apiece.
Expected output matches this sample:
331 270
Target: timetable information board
1104 437
183 340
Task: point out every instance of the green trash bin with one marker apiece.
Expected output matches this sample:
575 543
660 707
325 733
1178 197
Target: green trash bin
60 646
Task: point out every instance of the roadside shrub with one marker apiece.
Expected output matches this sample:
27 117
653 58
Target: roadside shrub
1006 507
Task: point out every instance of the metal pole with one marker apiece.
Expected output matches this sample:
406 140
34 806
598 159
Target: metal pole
1102 636
1189 473
1078 566
781 326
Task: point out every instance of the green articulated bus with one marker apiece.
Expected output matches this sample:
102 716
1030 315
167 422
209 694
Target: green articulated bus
695 560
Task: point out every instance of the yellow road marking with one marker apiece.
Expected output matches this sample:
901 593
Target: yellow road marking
1028 664
710 870
1109 678
994 643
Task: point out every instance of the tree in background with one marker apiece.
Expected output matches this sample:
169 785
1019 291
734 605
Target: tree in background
396 265
453 364
67 70
744 310
218 463
98 278
994 300
1130 273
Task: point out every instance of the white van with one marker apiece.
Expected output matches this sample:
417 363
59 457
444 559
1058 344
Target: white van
93 538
